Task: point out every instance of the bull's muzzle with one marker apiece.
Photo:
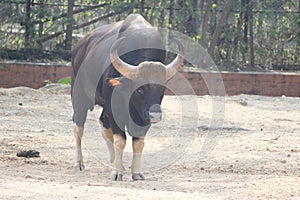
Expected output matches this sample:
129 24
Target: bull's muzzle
155 113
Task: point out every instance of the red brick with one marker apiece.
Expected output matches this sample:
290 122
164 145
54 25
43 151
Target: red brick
232 87
63 71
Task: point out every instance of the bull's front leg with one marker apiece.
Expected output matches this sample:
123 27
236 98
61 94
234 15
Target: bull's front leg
136 167
119 145
78 133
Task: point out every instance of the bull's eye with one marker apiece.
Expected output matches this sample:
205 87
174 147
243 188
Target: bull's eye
140 91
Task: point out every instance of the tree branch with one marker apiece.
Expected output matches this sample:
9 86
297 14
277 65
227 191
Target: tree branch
219 27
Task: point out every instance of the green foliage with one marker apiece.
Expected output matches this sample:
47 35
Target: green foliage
48 82
276 25
65 81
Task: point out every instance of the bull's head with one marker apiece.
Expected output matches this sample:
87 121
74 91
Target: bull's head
148 81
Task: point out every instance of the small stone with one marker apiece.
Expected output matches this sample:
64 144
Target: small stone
243 103
28 176
44 161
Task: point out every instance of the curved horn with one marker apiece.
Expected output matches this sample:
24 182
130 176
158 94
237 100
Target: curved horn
127 70
175 65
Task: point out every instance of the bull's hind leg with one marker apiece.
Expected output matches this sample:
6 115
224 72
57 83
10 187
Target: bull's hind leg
78 133
119 145
136 167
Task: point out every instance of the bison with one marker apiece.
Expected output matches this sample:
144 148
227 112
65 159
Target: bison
121 67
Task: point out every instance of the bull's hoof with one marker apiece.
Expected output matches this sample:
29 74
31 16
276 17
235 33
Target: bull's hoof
117 177
79 166
138 176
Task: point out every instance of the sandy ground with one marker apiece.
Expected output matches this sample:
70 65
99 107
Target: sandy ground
241 147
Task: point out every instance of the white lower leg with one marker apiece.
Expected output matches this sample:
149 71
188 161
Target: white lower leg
136 166
78 133
119 145
109 139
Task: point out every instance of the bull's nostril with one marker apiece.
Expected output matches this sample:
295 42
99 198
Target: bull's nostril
147 115
155 117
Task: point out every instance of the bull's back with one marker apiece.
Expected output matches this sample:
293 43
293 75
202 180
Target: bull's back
90 41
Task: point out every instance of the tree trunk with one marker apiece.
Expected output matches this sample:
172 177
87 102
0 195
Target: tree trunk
142 9
28 24
180 25
250 14
68 41
131 7
237 43
41 24
171 13
297 59
195 18
219 27
245 6
161 21
245 31
205 23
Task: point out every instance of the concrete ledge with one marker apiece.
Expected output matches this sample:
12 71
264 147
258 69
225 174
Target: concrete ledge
33 75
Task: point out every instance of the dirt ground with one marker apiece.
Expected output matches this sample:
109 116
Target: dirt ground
240 147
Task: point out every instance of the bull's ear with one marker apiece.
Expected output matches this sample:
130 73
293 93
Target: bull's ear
116 81
113 82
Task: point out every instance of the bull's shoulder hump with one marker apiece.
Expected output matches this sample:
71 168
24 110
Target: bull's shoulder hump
135 21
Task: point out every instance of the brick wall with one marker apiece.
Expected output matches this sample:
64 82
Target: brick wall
268 84
256 83
33 75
